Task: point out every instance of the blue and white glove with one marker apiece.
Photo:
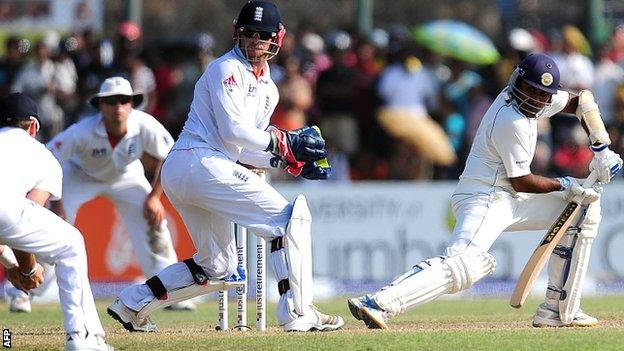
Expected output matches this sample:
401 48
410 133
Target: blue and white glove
606 162
573 187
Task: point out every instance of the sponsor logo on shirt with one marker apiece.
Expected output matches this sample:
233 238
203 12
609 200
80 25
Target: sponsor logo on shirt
252 90
98 153
522 164
240 175
230 83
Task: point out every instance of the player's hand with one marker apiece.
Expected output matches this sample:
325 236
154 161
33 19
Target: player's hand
297 146
24 283
13 276
607 163
153 211
573 187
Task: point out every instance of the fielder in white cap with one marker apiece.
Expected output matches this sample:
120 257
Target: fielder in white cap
100 157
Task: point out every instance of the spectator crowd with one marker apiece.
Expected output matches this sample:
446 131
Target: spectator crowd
340 81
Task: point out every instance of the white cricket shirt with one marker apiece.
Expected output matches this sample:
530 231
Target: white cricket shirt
504 146
85 144
26 165
231 109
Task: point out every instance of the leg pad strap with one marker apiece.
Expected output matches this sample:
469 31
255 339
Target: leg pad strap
157 287
283 286
199 276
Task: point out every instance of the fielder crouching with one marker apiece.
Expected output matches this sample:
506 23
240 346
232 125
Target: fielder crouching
497 192
229 122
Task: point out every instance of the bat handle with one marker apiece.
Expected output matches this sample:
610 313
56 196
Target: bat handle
591 180
588 183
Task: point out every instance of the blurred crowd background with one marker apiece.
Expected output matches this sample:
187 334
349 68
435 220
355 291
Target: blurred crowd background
342 63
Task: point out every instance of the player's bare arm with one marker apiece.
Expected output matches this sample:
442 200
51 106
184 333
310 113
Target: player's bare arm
532 183
153 209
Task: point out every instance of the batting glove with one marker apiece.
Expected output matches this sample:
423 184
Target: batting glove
605 162
572 187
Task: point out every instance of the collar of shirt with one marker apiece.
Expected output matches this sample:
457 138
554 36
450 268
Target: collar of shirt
132 128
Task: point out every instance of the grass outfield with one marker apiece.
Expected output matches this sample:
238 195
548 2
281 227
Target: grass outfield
475 324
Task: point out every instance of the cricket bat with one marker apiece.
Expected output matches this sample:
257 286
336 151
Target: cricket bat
539 257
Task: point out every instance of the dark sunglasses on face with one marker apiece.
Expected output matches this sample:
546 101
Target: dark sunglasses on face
262 35
113 100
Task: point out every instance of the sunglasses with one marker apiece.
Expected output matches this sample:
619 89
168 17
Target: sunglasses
113 100
262 35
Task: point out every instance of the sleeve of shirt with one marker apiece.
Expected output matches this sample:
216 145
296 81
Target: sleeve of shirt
258 159
512 149
157 141
558 103
63 145
52 176
227 95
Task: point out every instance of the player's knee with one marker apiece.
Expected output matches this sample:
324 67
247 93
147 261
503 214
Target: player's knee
468 267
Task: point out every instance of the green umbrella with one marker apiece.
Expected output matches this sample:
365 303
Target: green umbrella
458 40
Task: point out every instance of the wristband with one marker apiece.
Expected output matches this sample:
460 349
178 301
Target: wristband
599 149
564 183
29 274
7 258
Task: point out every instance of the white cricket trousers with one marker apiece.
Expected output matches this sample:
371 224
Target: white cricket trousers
56 242
210 191
128 193
481 218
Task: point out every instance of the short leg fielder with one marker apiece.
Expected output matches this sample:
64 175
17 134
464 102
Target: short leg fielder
216 192
480 220
57 243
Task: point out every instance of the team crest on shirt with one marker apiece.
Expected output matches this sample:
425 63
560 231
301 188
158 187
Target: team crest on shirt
131 149
230 83
98 153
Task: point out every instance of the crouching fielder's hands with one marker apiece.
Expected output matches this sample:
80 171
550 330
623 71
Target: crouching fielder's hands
605 162
25 281
572 187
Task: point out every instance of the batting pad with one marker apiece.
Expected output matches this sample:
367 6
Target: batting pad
185 293
299 255
574 282
432 278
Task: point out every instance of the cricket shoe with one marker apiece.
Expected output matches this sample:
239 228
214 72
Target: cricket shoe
545 318
366 309
314 320
129 318
186 305
19 302
76 342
